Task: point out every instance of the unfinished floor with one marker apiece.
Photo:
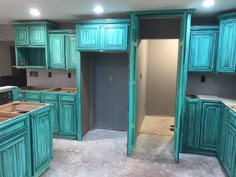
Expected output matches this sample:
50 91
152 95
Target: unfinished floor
102 153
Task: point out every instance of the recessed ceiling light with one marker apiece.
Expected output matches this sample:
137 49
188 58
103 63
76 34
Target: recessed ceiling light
98 9
34 12
208 3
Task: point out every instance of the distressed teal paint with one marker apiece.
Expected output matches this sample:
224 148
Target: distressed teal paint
102 35
131 139
63 53
226 62
72 55
15 147
203 46
41 135
26 148
209 125
192 123
57 51
52 98
31 44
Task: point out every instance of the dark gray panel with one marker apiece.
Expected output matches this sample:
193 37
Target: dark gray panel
110 90
159 28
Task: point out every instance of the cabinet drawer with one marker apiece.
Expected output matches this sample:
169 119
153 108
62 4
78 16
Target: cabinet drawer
67 97
49 96
33 96
13 126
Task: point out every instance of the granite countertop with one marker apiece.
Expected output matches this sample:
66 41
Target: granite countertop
228 101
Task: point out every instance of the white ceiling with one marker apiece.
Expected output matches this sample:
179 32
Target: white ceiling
65 10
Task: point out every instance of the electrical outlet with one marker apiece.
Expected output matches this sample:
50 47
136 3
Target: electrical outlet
69 75
34 74
203 78
49 74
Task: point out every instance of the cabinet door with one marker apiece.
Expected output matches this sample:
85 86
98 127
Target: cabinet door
72 55
41 136
21 35
192 122
202 52
209 125
38 35
114 37
14 158
230 151
227 47
57 50
67 120
88 37
53 100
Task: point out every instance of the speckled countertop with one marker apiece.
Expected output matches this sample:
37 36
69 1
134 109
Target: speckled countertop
228 101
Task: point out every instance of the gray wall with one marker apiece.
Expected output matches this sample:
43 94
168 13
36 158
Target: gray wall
5 58
215 84
161 76
59 78
141 83
6 33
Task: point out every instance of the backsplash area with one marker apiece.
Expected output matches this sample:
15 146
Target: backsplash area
51 78
215 84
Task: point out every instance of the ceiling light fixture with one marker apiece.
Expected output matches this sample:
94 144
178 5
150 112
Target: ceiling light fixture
208 3
34 12
98 9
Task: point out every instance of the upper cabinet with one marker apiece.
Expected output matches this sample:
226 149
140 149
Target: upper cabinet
63 52
30 35
226 61
31 44
102 35
203 47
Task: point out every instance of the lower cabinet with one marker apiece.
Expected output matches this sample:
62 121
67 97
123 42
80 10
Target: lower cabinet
67 113
192 124
209 125
41 136
52 98
229 155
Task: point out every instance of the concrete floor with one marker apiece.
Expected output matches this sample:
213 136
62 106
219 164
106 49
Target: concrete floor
103 154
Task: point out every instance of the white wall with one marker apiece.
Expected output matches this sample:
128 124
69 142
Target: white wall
141 75
5 58
59 78
161 76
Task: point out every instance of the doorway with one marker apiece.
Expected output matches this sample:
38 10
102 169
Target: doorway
156 80
104 91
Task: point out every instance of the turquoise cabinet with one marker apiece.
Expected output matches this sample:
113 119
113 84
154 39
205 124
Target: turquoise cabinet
22 35
57 51
203 47
15 148
27 35
226 61
229 157
192 122
209 125
72 55
63 52
114 36
41 136
88 37
67 114
31 44
52 98
102 35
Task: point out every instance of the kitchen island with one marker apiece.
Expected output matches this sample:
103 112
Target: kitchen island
26 143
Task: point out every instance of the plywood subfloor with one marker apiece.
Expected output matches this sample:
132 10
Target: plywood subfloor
157 125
